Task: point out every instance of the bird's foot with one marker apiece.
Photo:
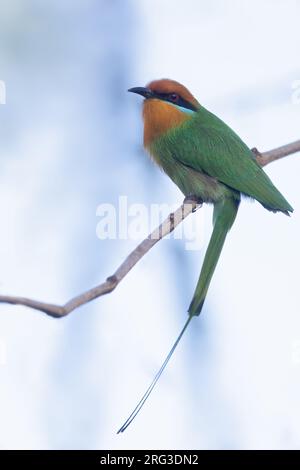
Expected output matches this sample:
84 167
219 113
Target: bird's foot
196 201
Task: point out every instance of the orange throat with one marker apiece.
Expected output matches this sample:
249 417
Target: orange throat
160 117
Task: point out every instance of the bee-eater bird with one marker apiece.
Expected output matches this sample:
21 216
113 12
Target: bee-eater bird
208 161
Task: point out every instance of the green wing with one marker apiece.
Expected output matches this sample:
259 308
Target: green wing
208 145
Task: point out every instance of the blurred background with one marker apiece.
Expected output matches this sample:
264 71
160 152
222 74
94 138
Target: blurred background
71 139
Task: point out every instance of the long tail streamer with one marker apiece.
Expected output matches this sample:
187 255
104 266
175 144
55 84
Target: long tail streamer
142 401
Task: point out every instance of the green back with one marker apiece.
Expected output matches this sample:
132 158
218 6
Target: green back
205 144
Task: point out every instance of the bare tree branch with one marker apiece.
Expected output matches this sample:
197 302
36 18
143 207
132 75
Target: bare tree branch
166 227
268 157
58 311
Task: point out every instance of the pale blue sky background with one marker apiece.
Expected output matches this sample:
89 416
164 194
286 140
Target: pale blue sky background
71 140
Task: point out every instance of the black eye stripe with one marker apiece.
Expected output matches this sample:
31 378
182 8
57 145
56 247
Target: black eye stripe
179 102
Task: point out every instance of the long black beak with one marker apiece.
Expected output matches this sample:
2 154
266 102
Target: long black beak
145 92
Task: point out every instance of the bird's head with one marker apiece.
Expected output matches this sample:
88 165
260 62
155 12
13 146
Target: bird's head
167 104
170 92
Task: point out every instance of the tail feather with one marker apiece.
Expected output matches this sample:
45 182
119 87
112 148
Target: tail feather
154 381
224 216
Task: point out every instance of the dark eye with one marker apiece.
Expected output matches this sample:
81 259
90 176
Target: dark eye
174 97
